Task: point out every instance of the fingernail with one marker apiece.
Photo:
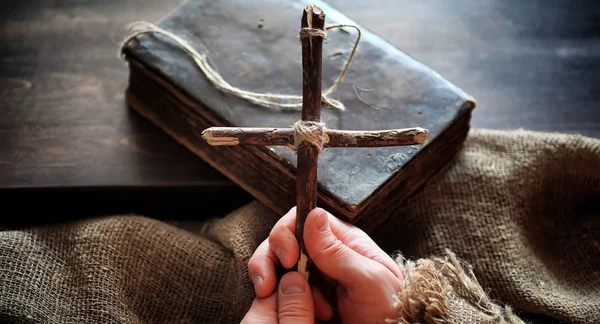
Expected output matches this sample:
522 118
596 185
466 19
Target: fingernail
257 280
292 284
280 253
321 221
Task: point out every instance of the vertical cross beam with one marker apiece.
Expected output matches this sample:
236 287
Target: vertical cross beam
311 35
313 19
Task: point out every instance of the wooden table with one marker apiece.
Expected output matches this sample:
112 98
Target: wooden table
67 135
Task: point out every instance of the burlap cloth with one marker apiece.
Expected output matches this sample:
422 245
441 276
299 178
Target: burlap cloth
521 208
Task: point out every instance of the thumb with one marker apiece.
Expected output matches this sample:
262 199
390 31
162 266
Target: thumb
331 256
295 301
263 310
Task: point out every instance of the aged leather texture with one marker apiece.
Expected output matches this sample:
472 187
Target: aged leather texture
254 45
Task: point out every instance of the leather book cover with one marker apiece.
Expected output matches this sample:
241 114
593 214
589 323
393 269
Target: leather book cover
254 45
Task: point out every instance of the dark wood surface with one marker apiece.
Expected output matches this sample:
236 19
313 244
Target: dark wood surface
65 131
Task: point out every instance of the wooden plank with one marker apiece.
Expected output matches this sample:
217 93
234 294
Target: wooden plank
64 122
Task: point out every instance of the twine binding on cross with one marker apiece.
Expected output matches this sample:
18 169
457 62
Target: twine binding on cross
312 32
264 99
309 132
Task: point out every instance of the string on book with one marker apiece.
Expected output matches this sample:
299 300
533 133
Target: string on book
265 99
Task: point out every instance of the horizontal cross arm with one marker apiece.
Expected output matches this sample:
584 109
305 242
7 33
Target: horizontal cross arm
217 136
377 138
333 138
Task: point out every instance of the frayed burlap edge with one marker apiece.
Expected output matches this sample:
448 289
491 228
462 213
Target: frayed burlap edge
445 290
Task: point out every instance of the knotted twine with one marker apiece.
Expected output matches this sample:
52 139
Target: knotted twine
263 99
309 132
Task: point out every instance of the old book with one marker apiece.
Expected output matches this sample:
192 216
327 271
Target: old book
254 45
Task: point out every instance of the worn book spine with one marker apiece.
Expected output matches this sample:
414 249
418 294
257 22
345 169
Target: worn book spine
254 168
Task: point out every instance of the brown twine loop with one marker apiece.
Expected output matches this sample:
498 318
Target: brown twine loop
309 132
312 32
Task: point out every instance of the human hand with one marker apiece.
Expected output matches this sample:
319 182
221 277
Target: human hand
363 277
292 303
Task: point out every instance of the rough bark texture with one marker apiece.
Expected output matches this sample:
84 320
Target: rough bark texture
333 137
306 183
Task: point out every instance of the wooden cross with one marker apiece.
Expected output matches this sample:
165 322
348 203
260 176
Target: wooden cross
309 136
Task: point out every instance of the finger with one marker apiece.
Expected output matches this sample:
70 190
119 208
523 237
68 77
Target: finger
323 309
295 301
359 241
331 256
282 240
263 310
261 269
